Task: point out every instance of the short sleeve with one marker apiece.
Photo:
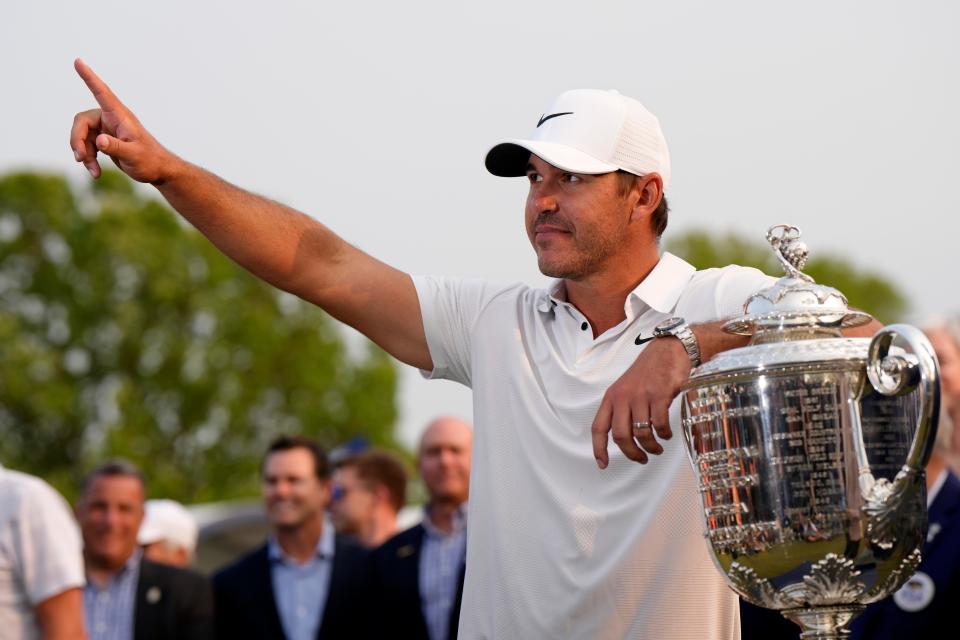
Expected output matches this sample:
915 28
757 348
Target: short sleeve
735 287
451 308
728 288
47 544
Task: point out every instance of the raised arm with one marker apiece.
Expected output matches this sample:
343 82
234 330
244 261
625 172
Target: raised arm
282 246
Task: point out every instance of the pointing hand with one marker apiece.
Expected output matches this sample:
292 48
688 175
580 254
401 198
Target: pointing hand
115 131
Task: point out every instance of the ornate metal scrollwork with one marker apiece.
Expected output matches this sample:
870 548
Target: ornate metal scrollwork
789 249
896 578
833 581
890 509
758 590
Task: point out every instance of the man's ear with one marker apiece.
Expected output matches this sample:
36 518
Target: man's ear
648 191
383 495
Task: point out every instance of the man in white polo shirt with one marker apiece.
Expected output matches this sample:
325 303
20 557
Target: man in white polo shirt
565 540
41 562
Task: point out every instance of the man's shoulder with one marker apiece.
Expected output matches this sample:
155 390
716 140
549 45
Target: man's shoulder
347 549
712 274
251 562
484 290
29 500
406 538
17 486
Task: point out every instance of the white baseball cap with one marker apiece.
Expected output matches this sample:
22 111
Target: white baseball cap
169 521
589 131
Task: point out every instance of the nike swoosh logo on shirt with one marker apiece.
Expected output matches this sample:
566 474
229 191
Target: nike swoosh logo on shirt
553 115
640 340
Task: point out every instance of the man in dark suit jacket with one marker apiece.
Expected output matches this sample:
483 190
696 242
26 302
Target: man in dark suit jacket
399 601
246 605
126 595
419 572
305 582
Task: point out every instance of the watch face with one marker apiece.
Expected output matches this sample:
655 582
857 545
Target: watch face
667 325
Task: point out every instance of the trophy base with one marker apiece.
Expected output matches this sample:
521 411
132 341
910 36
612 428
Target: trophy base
824 623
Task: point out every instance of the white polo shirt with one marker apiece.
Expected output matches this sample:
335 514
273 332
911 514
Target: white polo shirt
557 548
41 554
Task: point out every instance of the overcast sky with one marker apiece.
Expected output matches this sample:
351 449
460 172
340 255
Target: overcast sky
838 117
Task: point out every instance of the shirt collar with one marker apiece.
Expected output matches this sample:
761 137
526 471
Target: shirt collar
459 522
660 290
324 551
132 565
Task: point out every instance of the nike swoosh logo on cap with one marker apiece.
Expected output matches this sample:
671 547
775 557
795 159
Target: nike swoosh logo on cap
553 115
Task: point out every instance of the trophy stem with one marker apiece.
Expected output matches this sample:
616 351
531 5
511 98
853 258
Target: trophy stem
824 623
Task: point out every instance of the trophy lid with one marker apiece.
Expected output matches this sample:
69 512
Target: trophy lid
795 307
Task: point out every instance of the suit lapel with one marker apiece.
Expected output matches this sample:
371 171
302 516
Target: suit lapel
941 511
263 586
339 573
411 565
146 608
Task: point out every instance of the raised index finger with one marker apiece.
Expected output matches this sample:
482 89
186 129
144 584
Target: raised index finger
104 96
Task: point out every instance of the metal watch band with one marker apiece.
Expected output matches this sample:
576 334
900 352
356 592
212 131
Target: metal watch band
681 330
689 341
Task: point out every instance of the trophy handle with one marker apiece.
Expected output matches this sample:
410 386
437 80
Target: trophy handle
898 375
890 507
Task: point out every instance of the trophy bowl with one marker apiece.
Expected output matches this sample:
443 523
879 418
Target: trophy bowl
809 449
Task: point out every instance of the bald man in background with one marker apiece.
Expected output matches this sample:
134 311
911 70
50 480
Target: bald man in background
419 572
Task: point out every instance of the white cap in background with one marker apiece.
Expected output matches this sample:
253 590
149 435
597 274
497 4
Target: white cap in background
169 521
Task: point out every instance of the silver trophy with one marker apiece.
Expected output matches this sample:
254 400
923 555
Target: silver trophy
810 449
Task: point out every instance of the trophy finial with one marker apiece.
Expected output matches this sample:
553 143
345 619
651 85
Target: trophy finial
790 251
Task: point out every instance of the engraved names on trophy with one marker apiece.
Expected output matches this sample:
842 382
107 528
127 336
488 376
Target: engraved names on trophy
807 450
724 421
887 432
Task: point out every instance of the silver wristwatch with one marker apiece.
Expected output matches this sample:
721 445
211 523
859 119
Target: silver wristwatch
678 328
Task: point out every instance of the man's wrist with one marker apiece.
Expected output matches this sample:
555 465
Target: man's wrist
678 328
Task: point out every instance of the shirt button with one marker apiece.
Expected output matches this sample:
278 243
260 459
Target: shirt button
103 596
100 627
301 612
584 326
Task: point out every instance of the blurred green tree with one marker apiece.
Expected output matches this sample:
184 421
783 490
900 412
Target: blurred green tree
864 289
123 332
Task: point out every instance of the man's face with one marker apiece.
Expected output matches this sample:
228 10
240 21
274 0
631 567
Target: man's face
353 501
948 355
162 552
293 495
576 222
110 512
444 461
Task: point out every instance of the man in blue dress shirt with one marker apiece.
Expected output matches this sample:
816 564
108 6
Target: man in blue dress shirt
305 582
419 572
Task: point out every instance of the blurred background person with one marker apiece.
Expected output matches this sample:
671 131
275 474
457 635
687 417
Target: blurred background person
944 335
41 562
369 490
168 534
128 596
306 582
419 572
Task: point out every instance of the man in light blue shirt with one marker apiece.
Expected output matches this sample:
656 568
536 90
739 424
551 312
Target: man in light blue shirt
128 597
419 572
305 583
300 586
